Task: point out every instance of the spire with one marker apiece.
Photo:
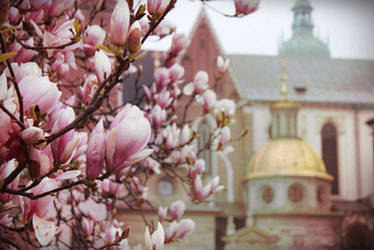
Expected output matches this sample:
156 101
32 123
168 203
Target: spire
284 112
283 90
302 21
303 41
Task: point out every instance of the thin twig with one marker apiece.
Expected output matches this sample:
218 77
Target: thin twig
19 96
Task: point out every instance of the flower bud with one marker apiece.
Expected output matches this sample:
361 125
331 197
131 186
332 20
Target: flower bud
119 23
96 151
246 7
32 135
103 66
133 41
177 209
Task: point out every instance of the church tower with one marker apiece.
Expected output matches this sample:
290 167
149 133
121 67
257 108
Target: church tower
303 41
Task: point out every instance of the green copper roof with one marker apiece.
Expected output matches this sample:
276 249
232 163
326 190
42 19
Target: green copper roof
303 42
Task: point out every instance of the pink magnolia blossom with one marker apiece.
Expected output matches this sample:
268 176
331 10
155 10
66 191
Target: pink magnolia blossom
119 23
165 28
207 100
32 135
63 148
152 165
14 16
179 44
26 69
38 4
43 157
163 98
176 72
225 136
134 37
96 151
45 230
87 226
200 192
57 7
179 230
95 36
5 170
82 145
157 7
185 135
103 66
197 169
222 64
199 84
89 88
40 206
162 213
225 107
176 209
214 185
144 25
158 115
246 7
156 241
39 91
128 135
161 76
110 187
23 55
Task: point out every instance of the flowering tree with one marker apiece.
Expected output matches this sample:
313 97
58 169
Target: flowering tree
68 152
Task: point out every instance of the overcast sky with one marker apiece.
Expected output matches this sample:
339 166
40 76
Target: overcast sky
347 25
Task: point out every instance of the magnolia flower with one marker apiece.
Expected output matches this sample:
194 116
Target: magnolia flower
177 209
165 28
156 241
179 230
162 213
5 170
45 230
63 148
39 91
103 66
176 72
161 77
157 7
32 135
119 23
207 100
214 187
197 169
226 107
95 35
133 40
87 226
57 7
25 69
23 55
179 43
158 116
96 151
199 84
110 187
222 64
40 206
152 165
128 135
246 7
185 134
200 192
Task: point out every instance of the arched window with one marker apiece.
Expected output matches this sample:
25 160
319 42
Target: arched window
204 131
330 154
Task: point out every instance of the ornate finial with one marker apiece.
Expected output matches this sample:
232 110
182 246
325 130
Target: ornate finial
283 90
156 56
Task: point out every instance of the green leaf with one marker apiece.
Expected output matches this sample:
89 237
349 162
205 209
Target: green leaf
6 56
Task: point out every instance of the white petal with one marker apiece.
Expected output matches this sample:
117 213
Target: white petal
45 230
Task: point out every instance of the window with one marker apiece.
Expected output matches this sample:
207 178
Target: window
296 192
165 186
330 154
267 194
203 142
322 195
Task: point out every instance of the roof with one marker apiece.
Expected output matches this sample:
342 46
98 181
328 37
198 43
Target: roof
287 157
324 79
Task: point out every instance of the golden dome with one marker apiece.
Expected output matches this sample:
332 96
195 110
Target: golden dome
287 157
